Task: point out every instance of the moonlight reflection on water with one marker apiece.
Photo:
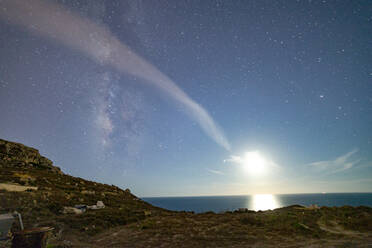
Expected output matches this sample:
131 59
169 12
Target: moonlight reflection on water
263 202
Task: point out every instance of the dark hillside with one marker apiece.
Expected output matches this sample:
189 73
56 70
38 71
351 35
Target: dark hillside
33 186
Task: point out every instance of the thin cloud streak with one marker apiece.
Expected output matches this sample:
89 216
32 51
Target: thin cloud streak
256 160
234 159
96 41
215 171
341 163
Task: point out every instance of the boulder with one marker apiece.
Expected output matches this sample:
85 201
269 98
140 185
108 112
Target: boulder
100 204
72 210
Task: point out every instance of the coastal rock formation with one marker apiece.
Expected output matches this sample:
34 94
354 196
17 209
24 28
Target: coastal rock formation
31 185
17 154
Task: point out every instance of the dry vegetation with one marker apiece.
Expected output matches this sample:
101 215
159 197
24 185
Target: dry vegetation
127 221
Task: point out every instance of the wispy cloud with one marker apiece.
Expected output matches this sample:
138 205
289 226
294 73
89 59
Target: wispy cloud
234 159
254 162
254 157
341 163
215 172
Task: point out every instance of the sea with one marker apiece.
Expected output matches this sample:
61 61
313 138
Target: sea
218 204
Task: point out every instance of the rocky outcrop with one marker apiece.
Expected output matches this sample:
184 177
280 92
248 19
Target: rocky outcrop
20 155
31 185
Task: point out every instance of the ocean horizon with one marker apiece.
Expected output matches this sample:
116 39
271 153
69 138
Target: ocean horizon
199 204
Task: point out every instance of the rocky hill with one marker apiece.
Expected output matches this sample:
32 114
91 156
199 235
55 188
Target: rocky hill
45 196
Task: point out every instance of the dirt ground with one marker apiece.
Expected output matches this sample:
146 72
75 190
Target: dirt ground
288 227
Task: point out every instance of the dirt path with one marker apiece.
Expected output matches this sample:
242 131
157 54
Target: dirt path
338 229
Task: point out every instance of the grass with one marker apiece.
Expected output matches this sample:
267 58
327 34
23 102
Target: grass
145 224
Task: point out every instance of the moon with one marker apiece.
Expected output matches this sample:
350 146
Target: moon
254 163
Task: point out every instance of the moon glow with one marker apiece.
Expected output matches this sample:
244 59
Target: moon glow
254 163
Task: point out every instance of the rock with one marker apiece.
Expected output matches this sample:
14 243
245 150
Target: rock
15 188
25 178
82 207
100 204
67 243
57 170
304 226
72 210
88 192
21 155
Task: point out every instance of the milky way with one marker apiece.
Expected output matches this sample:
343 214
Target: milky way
96 41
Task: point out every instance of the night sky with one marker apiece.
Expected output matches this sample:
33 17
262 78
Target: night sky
205 83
